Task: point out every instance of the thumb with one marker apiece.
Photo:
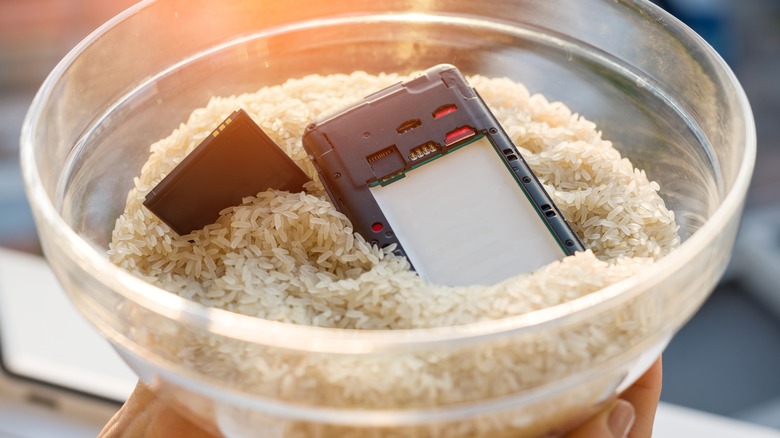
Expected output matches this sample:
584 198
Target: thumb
613 422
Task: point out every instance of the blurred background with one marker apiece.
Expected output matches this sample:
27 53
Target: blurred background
725 361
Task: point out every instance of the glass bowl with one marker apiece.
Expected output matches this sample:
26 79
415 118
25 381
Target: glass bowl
664 97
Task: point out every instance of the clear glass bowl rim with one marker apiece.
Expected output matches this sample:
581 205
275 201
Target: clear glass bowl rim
330 340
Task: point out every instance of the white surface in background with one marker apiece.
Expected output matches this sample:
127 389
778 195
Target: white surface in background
45 338
19 420
674 421
494 235
766 413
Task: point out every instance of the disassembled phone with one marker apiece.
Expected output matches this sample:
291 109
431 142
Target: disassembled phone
426 166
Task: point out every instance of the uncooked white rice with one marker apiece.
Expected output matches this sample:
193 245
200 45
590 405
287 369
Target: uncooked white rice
292 257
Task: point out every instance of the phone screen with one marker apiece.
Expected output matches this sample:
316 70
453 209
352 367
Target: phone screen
467 192
43 337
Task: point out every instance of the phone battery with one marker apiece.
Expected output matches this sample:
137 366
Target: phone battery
426 166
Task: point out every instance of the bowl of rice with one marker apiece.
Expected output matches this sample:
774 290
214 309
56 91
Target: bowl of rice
279 320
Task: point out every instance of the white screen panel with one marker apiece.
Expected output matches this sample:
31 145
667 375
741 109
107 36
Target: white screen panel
463 220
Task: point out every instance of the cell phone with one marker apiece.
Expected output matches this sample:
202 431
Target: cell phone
51 357
424 165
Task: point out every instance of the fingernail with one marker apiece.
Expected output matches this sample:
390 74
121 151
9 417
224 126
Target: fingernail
621 419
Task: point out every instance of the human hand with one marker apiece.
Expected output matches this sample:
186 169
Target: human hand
145 415
632 415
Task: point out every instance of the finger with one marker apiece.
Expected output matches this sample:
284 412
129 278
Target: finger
613 422
144 415
644 395
127 420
